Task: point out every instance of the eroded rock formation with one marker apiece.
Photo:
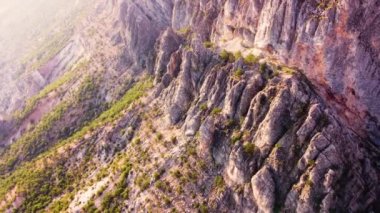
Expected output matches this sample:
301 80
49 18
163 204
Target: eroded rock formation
214 133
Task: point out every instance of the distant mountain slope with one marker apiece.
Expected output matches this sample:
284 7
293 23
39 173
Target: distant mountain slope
32 33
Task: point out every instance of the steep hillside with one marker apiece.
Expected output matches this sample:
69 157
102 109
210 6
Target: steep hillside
203 106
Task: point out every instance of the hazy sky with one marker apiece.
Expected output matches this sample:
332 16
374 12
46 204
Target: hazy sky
24 22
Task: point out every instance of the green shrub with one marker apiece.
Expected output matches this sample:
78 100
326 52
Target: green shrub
208 44
43 186
203 107
251 59
238 55
179 190
191 175
278 145
226 56
167 201
249 148
239 73
157 174
309 182
236 136
288 70
311 163
60 205
125 194
160 185
202 208
163 186
176 173
263 67
184 30
229 123
107 201
188 47
90 207
143 181
174 210
202 165
216 111
219 182
191 150
159 136
173 139
101 190
137 141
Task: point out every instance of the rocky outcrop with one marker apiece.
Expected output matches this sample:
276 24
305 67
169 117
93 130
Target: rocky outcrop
331 41
263 190
289 145
228 135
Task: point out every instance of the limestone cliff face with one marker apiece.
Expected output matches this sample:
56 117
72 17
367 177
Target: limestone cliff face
300 157
335 43
212 133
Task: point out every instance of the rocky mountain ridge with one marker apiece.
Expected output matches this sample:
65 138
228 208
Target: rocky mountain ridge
209 106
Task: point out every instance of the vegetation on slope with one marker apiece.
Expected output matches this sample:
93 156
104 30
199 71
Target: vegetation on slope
136 92
32 102
29 177
31 139
43 134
